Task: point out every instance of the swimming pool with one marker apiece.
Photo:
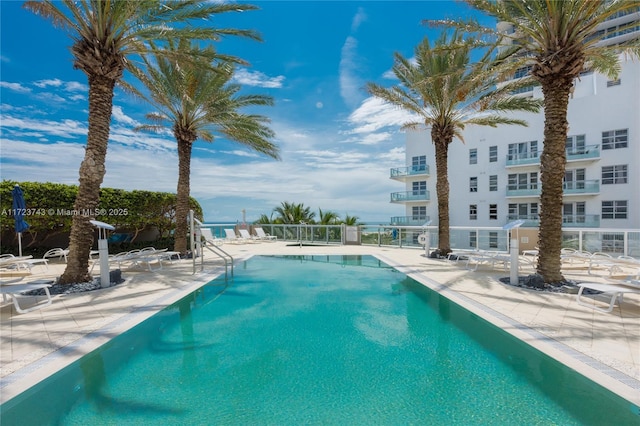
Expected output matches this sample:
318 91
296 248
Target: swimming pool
321 340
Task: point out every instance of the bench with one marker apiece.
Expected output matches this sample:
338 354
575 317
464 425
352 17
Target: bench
614 290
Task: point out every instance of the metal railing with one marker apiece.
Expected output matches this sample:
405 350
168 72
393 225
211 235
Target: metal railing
613 241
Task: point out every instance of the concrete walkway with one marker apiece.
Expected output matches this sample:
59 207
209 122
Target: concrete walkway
603 346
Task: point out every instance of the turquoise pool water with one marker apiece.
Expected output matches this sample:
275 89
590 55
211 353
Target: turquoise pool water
342 340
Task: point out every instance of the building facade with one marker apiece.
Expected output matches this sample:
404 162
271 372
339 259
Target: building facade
494 175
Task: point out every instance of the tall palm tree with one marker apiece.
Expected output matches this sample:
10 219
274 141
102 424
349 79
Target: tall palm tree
292 213
557 39
105 34
196 101
446 92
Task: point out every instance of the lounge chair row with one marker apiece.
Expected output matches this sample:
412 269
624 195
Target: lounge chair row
143 258
233 238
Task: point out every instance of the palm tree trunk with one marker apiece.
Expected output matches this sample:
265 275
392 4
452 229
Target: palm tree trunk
92 173
552 168
442 190
182 196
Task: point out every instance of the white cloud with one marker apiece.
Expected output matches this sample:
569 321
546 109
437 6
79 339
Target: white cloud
16 87
48 83
74 86
350 81
121 117
358 19
257 79
374 114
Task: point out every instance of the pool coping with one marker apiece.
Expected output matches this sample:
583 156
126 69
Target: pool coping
614 380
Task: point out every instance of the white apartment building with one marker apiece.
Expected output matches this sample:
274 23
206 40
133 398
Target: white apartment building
495 175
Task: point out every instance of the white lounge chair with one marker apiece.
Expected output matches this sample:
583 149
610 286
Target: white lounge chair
231 236
17 263
56 252
614 290
605 261
209 238
14 290
244 235
261 235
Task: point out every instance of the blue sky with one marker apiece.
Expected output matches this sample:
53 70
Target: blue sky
337 143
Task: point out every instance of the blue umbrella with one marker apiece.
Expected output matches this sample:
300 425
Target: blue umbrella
19 208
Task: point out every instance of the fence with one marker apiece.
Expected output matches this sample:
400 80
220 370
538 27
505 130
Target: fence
617 242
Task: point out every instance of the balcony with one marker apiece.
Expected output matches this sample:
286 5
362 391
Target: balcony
578 187
587 153
581 187
402 173
416 220
568 221
523 159
531 190
410 196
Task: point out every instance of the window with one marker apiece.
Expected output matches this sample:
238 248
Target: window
615 139
575 144
473 239
473 156
419 213
473 211
473 184
613 243
527 211
419 163
574 179
574 212
493 212
521 72
493 154
614 209
522 150
614 174
419 188
493 239
493 183
522 181
611 83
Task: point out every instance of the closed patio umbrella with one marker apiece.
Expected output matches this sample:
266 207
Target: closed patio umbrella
19 208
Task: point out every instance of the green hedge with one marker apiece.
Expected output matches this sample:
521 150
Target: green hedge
50 211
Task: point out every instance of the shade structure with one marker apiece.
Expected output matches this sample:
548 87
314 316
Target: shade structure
19 209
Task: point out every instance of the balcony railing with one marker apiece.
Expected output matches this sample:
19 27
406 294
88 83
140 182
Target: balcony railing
589 152
581 187
523 159
408 196
415 220
403 172
568 221
577 187
531 190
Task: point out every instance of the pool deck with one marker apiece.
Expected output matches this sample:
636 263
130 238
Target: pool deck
603 346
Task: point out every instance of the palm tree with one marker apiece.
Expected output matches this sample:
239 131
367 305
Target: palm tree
292 213
328 217
446 92
557 39
194 101
351 220
105 35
